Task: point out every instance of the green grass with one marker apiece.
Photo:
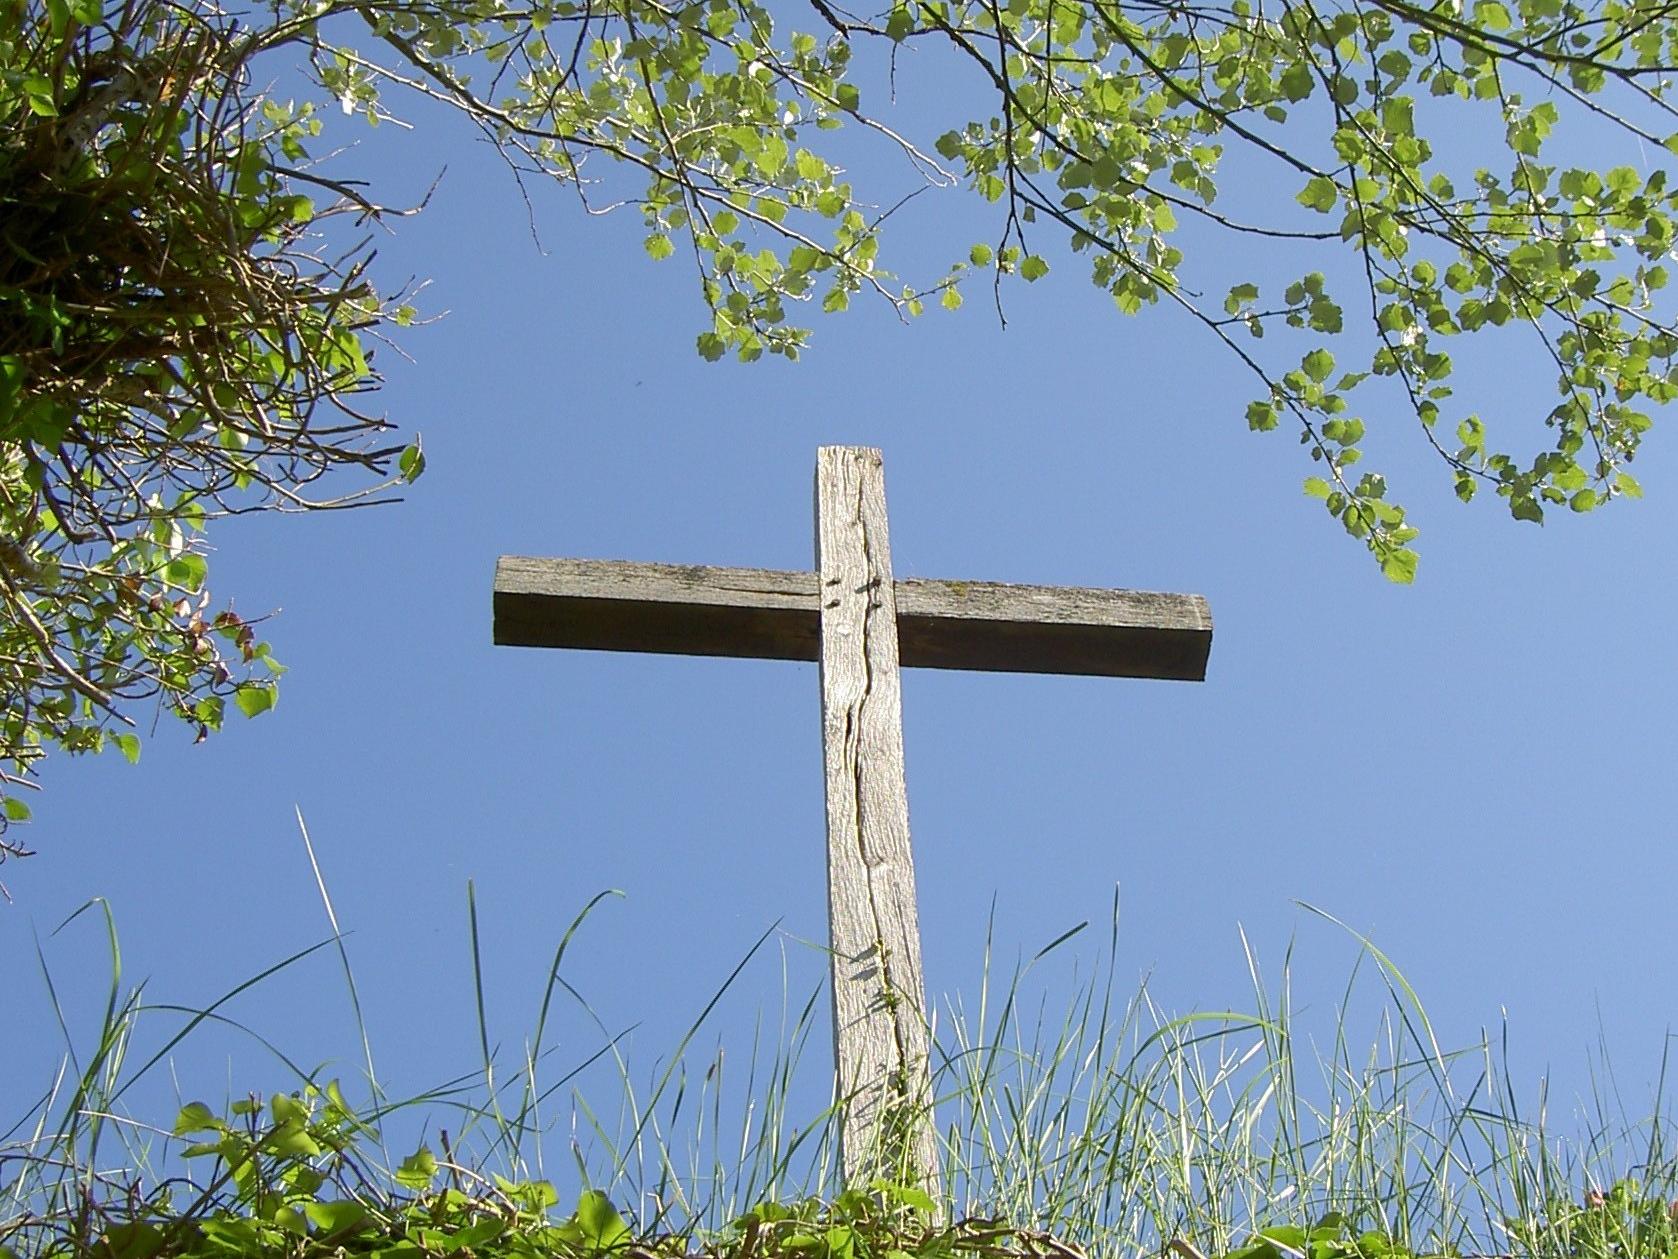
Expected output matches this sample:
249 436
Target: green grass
1102 1127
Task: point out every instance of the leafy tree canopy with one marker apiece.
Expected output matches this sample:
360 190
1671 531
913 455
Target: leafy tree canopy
184 336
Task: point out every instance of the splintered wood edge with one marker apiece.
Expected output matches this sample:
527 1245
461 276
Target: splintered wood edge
691 609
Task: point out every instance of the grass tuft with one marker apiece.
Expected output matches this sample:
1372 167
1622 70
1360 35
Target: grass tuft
1105 1126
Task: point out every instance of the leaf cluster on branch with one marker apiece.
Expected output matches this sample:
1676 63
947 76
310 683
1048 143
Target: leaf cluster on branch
176 341
1406 151
173 348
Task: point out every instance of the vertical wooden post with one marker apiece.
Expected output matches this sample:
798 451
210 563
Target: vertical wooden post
879 1003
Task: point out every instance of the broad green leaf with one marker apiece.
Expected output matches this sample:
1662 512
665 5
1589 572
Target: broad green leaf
411 463
187 570
196 1117
810 166
337 1218
602 1227
292 1140
1399 566
1318 365
1239 294
1298 81
418 1170
133 1239
38 94
1319 194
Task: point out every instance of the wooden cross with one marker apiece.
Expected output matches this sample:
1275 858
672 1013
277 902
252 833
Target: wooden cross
861 625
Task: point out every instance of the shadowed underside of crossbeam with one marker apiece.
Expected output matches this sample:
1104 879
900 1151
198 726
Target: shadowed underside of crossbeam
694 610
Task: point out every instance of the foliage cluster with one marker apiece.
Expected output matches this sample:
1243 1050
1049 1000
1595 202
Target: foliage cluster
1104 1129
1337 193
1413 155
289 1179
173 347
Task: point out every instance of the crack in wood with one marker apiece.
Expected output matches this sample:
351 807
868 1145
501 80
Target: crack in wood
883 1062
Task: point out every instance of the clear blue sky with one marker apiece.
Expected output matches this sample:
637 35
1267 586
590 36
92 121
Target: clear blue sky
1476 771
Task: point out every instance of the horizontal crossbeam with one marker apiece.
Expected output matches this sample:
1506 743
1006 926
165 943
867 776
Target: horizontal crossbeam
693 610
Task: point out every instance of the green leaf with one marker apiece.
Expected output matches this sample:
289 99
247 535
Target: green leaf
254 698
38 92
134 1239
292 1140
187 570
1318 365
810 167
1316 487
488 1230
411 463
980 255
1033 268
336 1217
602 1227
1492 16
16 810
659 246
1319 194
1399 565
196 1117
418 1170
1239 294
130 745
909 1196
951 298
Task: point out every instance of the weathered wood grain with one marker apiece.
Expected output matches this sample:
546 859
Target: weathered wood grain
861 625
879 1001
692 610
615 605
